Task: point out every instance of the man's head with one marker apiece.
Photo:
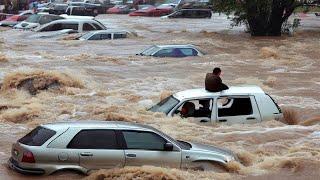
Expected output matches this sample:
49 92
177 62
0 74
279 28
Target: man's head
216 71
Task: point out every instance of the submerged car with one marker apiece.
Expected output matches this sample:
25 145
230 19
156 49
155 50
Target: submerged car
104 35
172 51
153 11
15 19
87 145
36 20
80 25
240 104
119 9
190 13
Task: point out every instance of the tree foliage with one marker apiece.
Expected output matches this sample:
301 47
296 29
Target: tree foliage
263 17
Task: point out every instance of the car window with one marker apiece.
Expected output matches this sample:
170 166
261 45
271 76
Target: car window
73 26
95 37
143 140
88 27
96 26
37 136
52 27
234 106
189 51
105 36
94 139
165 53
119 35
196 108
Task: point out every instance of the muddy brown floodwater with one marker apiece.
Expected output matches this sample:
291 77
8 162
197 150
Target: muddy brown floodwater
105 80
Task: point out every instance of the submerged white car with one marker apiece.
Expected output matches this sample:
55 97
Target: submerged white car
242 104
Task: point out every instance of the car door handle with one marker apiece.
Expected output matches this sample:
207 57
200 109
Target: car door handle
86 154
251 118
222 120
131 155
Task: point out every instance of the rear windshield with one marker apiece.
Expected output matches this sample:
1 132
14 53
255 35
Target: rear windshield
37 137
165 105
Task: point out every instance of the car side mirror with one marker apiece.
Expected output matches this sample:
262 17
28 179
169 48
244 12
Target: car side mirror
168 146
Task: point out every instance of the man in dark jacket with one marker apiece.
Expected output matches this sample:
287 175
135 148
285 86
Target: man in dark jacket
213 81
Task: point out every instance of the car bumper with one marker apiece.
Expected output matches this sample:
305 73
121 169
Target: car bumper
15 166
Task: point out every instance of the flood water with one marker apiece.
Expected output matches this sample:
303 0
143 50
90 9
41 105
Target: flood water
117 84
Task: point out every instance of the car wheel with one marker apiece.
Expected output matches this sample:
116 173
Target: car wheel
209 166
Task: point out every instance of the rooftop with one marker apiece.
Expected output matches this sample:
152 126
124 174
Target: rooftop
95 124
175 45
234 90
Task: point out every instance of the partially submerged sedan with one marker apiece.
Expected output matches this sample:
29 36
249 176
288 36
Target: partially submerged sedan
153 11
87 145
242 104
104 35
15 19
172 51
36 20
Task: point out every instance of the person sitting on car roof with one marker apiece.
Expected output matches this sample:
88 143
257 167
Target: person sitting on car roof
213 82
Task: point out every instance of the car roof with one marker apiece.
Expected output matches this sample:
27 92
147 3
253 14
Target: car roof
73 20
176 46
88 124
233 90
108 31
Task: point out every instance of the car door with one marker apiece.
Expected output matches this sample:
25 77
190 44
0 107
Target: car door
237 109
147 148
97 148
200 109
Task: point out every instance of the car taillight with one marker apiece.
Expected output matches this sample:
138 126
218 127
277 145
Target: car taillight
28 157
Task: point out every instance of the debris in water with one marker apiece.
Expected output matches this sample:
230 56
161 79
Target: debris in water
35 81
3 58
290 116
268 52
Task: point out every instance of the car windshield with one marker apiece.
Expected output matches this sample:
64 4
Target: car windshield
164 6
87 35
149 51
184 145
165 105
33 18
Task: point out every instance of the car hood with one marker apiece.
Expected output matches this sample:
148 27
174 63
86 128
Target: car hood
211 148
26 25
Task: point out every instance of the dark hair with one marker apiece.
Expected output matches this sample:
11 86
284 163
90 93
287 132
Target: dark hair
216 71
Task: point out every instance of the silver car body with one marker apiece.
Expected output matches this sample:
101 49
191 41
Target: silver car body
156 49
245 104
55 154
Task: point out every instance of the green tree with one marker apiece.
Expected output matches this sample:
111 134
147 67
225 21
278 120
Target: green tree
263 17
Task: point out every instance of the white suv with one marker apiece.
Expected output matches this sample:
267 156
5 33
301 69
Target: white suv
79 25
246 104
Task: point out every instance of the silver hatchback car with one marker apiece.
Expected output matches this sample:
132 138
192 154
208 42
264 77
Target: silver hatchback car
87 145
